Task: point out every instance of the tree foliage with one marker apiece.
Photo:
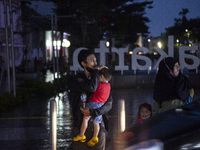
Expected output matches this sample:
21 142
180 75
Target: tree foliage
187 31
88 21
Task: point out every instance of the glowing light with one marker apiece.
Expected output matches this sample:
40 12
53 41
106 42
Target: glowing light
159 44
107 43
177 40
149 67
130 52
58 43
48 43
54 43
149 40
49 77
57 75
186 30
66 43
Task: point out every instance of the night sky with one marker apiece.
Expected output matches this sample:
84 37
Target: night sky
162 14
164 11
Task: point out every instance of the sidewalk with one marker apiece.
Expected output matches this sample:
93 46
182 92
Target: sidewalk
28 127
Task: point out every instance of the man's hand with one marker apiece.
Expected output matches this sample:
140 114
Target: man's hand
100 67
85 111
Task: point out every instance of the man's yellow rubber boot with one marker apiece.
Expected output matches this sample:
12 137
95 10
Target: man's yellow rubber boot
79 138
93 141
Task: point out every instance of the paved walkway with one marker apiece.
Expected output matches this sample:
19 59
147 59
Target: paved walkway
28 127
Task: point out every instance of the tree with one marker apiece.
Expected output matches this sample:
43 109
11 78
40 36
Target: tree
186 31
93 19
183 13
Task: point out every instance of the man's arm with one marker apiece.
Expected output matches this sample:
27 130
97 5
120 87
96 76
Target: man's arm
82 84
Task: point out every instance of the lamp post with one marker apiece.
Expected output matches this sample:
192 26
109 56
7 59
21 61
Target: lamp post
66 43
7 44
159 44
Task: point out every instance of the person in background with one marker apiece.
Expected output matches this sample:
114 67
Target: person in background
98 98
144 112
172 88
87 82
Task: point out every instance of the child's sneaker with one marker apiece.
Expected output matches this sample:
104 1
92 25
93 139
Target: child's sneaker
79 138
93 141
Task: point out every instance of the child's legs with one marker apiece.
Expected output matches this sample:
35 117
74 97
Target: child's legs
97 120
84 125
96 129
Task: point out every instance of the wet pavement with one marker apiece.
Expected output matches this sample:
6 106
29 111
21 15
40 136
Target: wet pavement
28 126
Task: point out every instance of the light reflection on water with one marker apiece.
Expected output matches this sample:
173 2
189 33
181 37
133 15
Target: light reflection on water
64 123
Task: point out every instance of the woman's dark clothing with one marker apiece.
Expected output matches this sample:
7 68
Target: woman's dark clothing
168 87
169 91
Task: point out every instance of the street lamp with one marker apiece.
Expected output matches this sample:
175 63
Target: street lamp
177 42
66 43
107 44
159 44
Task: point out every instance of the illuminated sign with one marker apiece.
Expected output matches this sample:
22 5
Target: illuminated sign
135 57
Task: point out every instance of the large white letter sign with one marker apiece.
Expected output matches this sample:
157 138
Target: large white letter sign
183 55
147 61
171 46
102 50
135 64
76 65
163 54
120 53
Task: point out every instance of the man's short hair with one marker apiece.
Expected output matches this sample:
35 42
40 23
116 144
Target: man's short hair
106 73
82 56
